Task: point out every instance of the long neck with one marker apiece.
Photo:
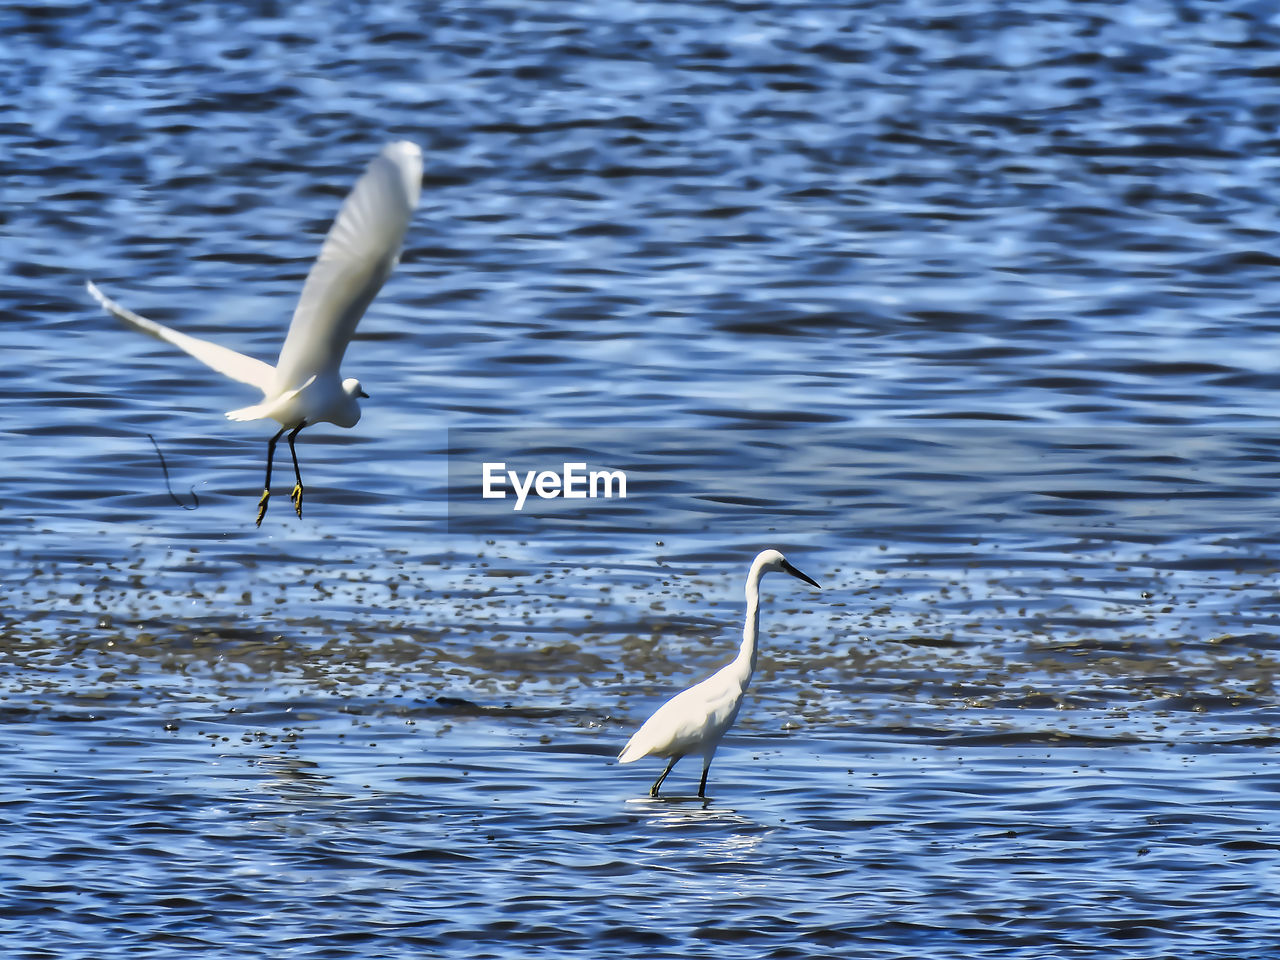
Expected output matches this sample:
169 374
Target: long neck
746 659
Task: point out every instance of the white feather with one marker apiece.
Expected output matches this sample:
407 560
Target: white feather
359 253
226 361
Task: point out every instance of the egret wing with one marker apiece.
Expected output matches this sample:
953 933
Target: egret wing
682 724
227 362
359 253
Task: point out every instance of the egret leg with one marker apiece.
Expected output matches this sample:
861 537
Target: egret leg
702 787
296 494
653 791
266 486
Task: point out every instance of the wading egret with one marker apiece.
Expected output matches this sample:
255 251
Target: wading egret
359 253
695 720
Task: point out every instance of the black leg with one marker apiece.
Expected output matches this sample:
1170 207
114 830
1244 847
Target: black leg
296 494
653 791
266 486
702 787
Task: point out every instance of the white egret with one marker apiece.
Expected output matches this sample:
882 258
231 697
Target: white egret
359 253
695 720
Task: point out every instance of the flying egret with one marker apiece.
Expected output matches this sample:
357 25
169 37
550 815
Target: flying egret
695 720
359 253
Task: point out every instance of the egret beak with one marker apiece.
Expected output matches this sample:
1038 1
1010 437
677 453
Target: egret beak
798 575
361 393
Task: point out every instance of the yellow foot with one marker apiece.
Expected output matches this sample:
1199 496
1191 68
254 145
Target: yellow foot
296 497
262 505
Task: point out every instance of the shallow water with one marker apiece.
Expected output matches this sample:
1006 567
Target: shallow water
968 307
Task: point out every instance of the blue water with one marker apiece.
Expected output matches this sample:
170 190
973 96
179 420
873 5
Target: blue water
968 307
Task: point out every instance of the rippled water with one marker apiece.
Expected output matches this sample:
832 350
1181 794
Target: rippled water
967 306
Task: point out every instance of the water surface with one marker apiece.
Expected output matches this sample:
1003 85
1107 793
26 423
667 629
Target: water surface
966 306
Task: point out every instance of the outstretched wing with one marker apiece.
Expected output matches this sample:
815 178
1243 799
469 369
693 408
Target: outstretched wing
361 250
227 362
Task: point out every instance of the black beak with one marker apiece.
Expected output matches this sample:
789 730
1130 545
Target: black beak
361 393
798 575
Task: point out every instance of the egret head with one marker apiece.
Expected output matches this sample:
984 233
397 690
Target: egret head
347 413
771 560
